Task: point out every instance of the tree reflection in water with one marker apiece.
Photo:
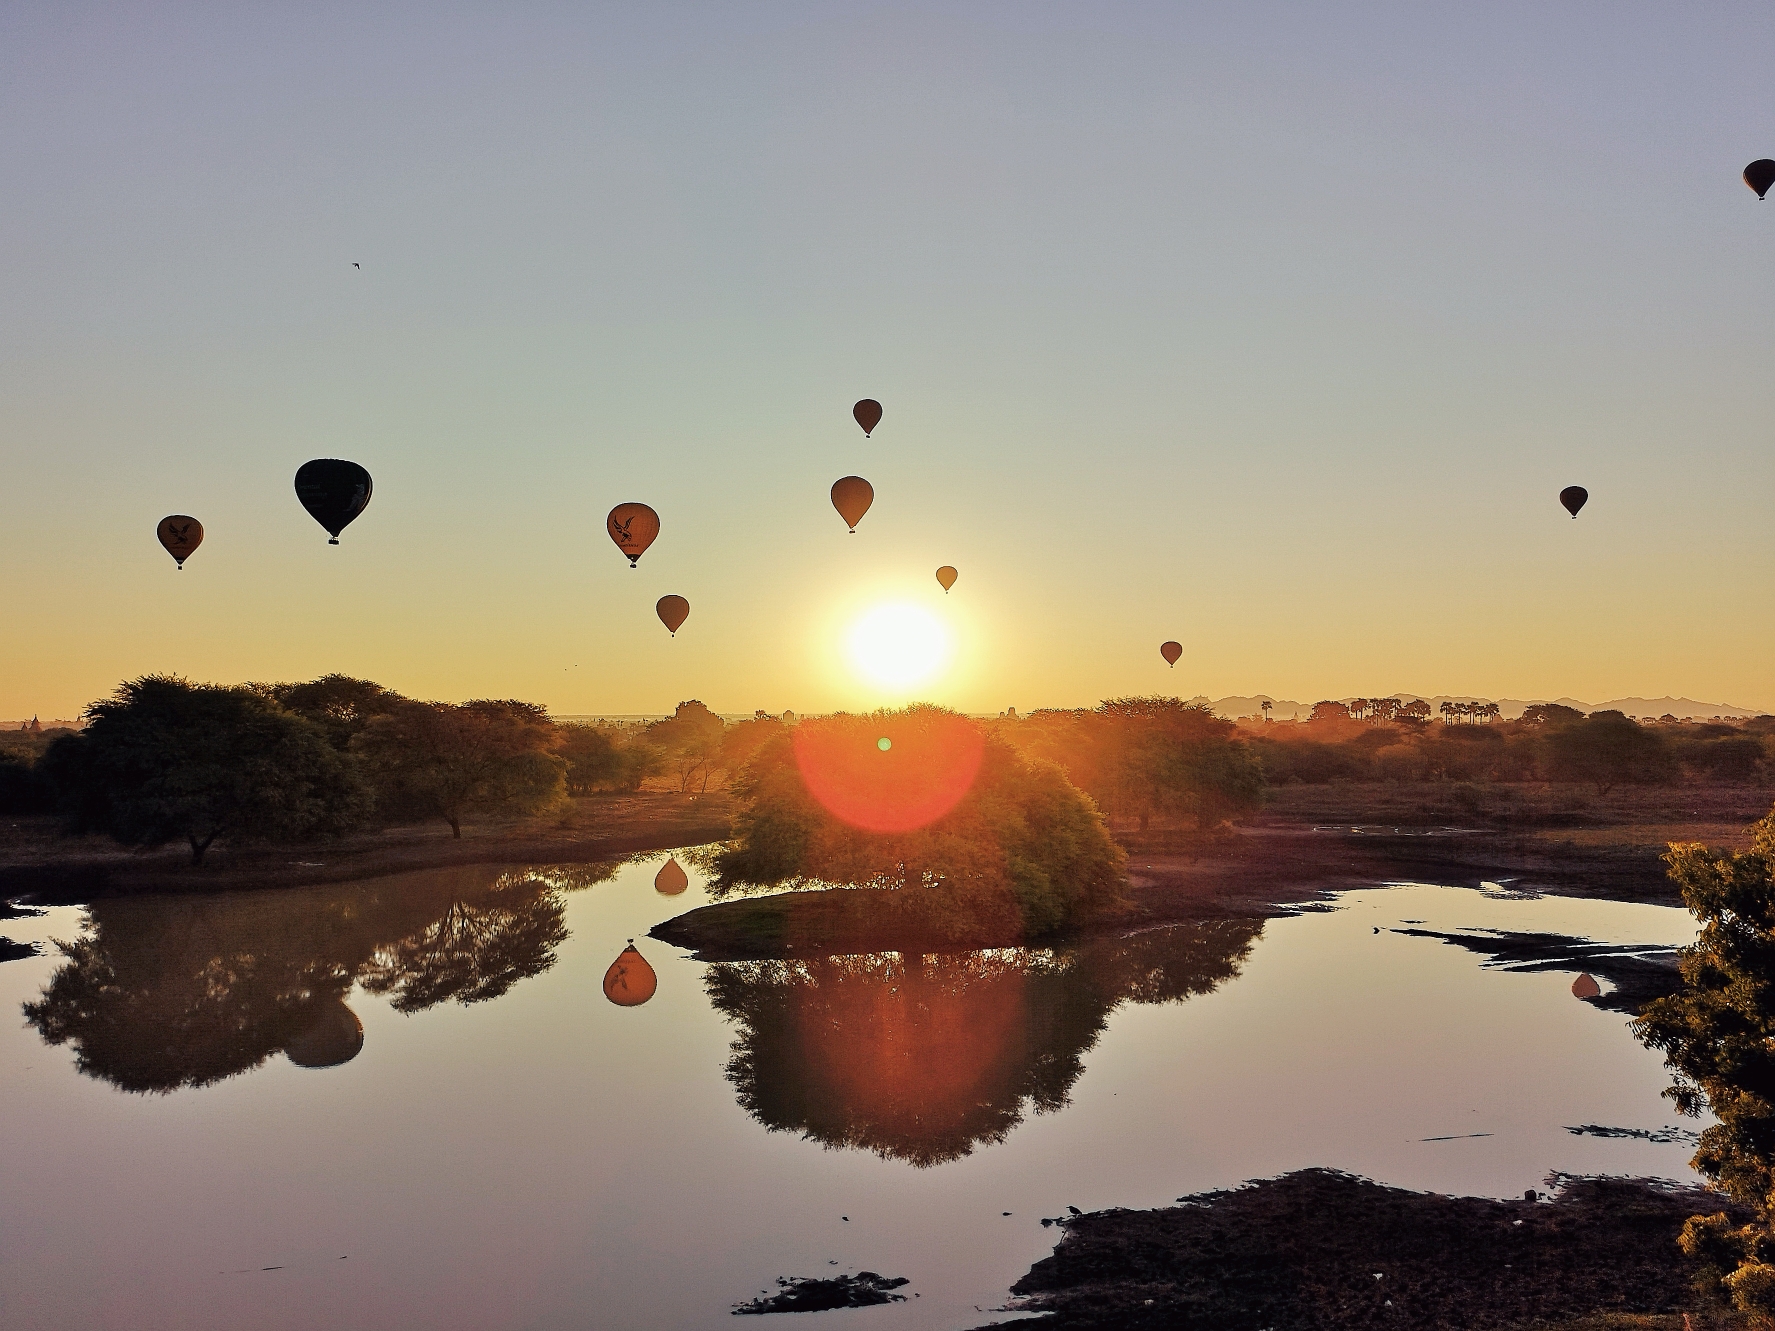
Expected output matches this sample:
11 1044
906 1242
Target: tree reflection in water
160 993
923 1058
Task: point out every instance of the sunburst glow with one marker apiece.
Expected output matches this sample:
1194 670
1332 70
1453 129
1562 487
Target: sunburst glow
897 645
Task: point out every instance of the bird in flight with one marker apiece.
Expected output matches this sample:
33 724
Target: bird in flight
357 265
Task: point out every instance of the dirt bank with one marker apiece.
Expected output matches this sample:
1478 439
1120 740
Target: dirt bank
38 865
1324 1251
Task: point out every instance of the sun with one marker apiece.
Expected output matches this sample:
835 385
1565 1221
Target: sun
897 645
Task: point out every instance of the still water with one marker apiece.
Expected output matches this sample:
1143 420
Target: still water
212 1141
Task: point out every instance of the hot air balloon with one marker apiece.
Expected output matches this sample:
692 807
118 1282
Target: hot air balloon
851 496
947 576
671 878
180 535
672 611
1573 497
334 492
632 527
630 981
1759 175
1585 986
868 414
1171 651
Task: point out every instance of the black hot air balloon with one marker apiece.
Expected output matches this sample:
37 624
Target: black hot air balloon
1759 175
868 414
334 492
1573 497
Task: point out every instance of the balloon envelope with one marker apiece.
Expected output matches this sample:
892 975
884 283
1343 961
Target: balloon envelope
868 414
1574 498
947 576
334 492
632 527
672 611
1759 175
630 981
671 878
1171 651
851 496
1585 986
180 535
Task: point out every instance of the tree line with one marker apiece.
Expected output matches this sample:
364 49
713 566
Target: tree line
165 760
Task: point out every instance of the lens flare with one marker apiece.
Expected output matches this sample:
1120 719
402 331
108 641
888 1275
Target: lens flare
898 646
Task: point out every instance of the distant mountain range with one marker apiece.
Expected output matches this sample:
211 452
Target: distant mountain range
1282 709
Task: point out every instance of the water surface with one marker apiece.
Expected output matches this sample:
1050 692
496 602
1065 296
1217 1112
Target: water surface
411 1100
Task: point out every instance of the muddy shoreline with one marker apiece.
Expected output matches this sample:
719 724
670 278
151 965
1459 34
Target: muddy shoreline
39 867
1320 1250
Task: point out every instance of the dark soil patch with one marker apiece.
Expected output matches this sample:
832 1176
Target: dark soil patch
1638 972
11 951
1323 1251
801 1294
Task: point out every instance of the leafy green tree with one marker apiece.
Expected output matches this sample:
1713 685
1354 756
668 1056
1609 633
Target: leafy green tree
1020 852
339 704
443 760
690 739
1607 749
603 759
1718 1038
1167 758
165 760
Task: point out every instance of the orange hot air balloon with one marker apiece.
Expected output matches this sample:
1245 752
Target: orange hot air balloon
632 527
672 612
851 496
947 576
671 878
1585 986
868 414
630 981
1171 651
180 535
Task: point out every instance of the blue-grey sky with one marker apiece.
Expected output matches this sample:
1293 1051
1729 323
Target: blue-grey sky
1272 329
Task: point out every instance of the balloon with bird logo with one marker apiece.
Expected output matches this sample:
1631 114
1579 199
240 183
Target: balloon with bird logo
671 878
947 576
630 981
868 414
851 496
180 535
672 612
1171 651
1574 498
632 527
334 492
1759 175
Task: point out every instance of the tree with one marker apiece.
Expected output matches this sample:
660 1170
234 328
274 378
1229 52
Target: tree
1008 846
438 760
1165 757
691 741
1551 714
1606 749
339 704
1328 710
603 759
164 760
1717 1035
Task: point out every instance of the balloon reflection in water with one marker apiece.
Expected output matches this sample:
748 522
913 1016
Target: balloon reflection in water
671 878
162 993
928 764
924 1058
1585 986
334 1036
630 981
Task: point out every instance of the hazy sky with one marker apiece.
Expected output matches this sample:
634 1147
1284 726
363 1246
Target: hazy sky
1272 329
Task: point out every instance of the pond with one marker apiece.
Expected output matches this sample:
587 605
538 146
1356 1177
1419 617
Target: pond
408 1102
